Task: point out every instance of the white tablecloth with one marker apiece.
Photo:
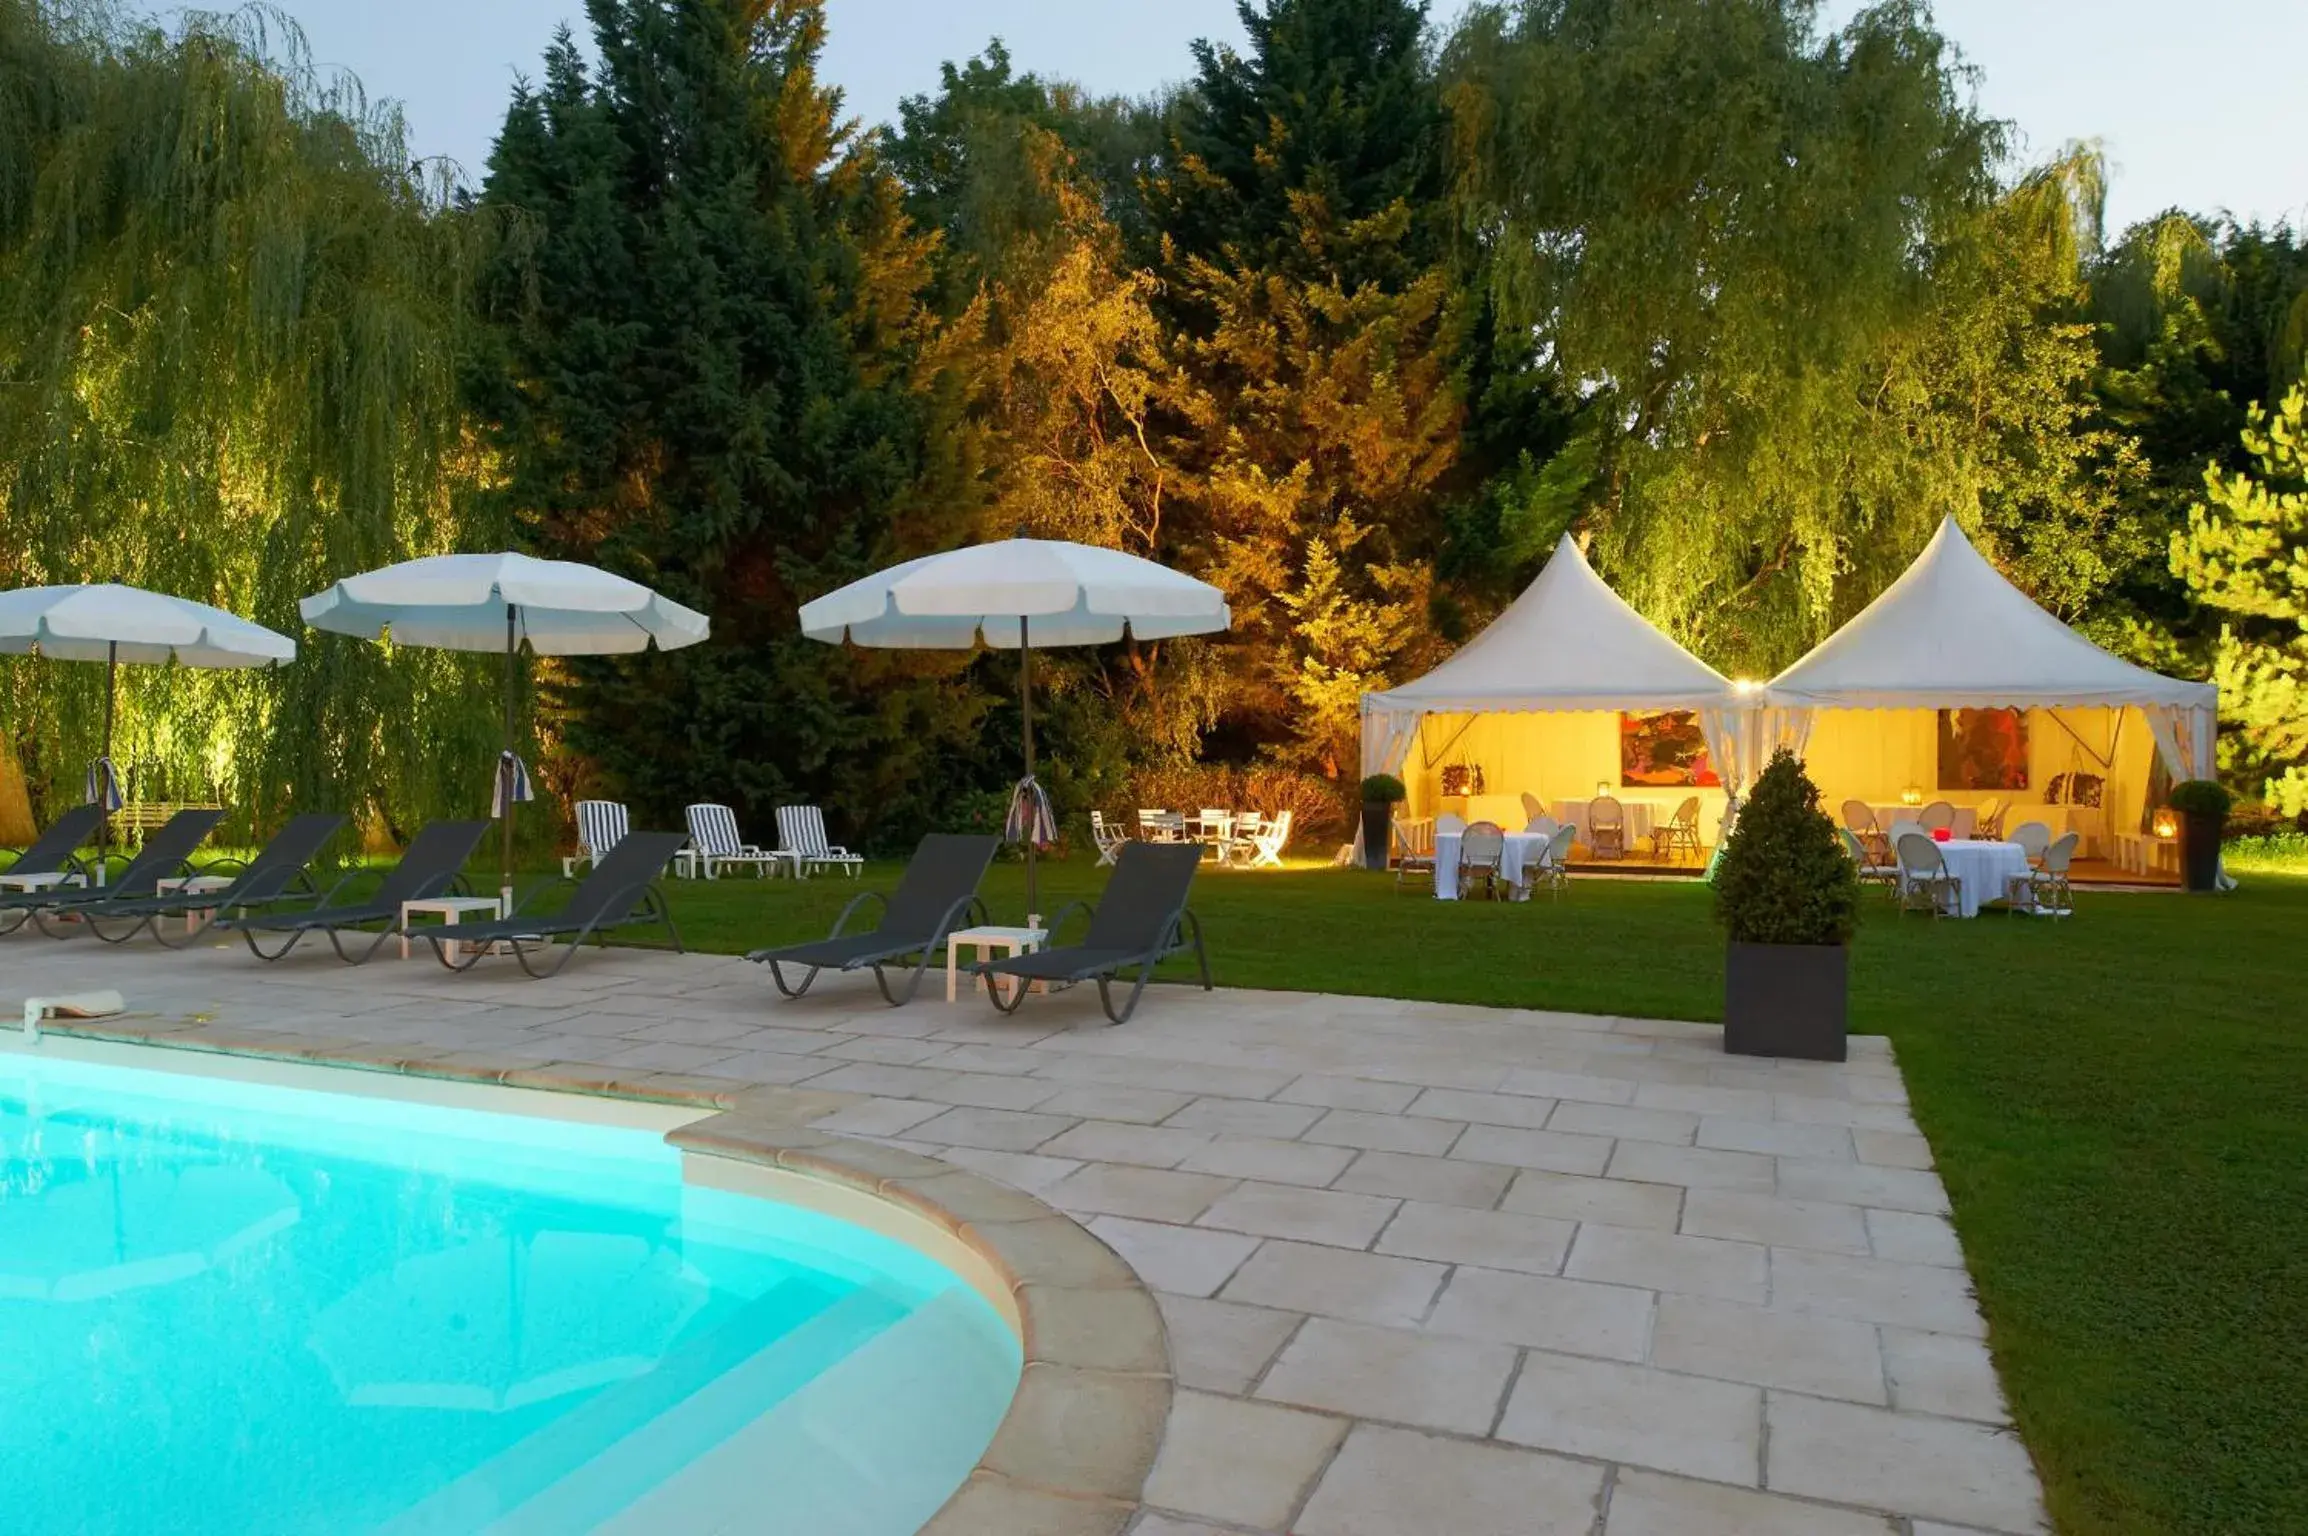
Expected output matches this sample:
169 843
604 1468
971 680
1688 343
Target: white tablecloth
1985 868
1522 848
1640 818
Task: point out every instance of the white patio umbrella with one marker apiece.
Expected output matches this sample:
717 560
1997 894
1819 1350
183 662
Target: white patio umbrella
1018 594
488 602
111 623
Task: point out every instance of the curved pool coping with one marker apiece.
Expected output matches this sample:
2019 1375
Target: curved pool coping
1072 1454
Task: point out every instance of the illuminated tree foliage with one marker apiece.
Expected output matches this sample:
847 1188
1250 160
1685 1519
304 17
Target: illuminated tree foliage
714 379
1318 329
231 319
1775 264
2245 554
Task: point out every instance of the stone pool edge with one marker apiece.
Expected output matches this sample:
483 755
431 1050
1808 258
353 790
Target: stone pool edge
1072 1454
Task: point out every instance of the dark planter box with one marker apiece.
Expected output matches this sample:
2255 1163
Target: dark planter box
1786 1000
1377 832
2200 850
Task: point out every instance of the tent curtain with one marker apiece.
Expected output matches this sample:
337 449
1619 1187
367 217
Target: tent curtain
2184 734
1386 739
2184 739
1733 734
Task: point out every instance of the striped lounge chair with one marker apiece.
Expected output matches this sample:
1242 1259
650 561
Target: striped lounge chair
801 838
601 826
714 842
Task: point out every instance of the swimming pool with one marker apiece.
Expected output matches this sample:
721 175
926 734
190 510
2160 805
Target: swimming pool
235 1307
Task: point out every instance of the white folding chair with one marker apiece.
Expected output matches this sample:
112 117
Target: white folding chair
2048 891
1262 838
1108 838
714 841
1938 816
801 838
2033 837
601 826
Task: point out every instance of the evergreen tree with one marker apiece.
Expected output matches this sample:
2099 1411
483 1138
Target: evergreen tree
1318 331
713 380
2244 554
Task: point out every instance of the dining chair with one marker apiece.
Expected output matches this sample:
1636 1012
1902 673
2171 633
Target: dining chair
1449 823
1680 832
1533 807
2048 890
1551 865
1859 818
1923 871
1606 828
1411 861
1870 871
2034 837
1900 829
1482 849
1938 814
1541 826
1989 822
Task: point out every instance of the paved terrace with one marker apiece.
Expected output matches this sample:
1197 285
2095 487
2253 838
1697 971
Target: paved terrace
1424 1269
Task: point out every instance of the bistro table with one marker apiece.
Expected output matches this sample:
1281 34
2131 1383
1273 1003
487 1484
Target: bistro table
1521 849
1986 869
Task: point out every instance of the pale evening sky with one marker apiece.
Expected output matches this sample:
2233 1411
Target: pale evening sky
2198 106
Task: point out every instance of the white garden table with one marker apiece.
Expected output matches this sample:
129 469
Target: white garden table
1522 848
1986 869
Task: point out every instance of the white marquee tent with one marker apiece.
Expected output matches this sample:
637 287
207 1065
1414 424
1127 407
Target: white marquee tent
1536 697
1952 634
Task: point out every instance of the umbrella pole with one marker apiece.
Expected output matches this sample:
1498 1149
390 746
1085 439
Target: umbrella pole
103 778
1026 697
505 771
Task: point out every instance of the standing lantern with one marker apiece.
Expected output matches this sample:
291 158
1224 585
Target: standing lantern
1018 593
112 624
500 602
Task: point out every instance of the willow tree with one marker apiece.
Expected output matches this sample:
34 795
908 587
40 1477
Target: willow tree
1727 228
231 325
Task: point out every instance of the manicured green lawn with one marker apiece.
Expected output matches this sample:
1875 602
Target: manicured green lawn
2119 1105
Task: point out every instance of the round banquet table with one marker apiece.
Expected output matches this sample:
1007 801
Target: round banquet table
1522 849
1986 870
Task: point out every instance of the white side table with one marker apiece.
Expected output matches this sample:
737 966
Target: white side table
448 909
47 881
1010 941
193 885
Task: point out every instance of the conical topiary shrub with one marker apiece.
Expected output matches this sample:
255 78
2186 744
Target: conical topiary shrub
1788 896
1785 878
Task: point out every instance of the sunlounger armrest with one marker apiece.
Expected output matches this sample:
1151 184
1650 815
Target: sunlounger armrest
850 910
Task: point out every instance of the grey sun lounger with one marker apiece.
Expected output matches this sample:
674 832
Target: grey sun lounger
938 890
52 852
1142 919
269 879
166 853
429 866
620 891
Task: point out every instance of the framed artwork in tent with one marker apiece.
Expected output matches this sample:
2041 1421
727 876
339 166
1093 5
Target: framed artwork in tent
1983 749
1664 750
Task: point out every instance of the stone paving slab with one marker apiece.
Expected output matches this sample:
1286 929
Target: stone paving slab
1423 1268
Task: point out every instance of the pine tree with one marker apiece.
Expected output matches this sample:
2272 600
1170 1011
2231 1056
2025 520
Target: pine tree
2244 554
713 380
1318 331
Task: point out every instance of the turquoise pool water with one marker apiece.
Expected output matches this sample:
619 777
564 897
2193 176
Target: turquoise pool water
240 1309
